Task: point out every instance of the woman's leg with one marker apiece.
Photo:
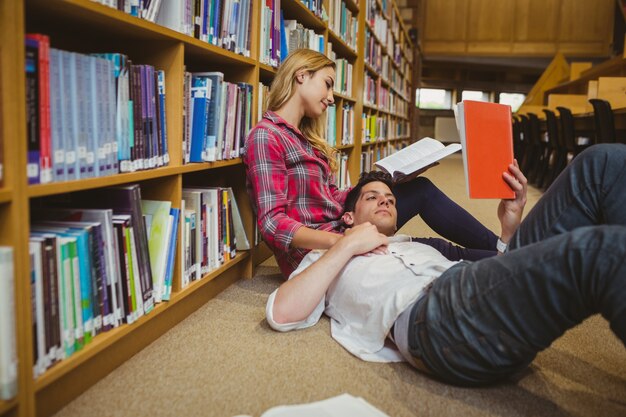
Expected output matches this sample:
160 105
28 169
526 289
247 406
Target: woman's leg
421 197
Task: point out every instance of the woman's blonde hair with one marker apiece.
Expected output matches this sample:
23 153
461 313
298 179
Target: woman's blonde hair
282 89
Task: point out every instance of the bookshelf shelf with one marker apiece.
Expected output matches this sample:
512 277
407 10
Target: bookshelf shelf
178 296
6 194
203 166
105 340
294 9
7 406
341 47
372 70
344 97
352 5
42 190
345 147
372 143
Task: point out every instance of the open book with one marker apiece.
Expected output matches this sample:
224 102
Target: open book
416 156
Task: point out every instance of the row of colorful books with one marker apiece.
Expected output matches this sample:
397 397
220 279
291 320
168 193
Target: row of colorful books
212 231
145 9
224 23
8 336
343 72
342 21
217 117
294 35
91 115
111 261
270 51
374 128
373 52
342 175
347 125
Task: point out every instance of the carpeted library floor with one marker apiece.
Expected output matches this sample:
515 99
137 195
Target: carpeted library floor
224 360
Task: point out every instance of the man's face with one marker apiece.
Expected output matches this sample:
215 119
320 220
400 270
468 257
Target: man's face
376 204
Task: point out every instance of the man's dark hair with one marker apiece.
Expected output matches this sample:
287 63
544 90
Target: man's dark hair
366 178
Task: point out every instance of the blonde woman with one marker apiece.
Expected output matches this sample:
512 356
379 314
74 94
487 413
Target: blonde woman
290 175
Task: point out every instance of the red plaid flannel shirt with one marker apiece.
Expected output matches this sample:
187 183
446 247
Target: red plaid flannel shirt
290 185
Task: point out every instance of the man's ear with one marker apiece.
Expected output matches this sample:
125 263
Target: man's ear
348 218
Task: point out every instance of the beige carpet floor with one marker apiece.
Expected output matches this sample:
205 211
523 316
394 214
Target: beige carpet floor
224 360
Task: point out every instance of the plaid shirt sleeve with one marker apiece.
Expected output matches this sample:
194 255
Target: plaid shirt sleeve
338 194
267 183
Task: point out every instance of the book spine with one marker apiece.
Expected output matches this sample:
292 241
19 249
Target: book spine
8 336
32 110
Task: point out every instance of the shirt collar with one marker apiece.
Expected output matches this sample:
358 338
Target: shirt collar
277 120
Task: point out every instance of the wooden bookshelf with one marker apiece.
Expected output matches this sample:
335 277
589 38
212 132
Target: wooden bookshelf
86 26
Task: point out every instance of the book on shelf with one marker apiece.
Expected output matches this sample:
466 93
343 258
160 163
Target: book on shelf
91 115
486 135
8 336
104 217
157 218
217 117
415 157
127 200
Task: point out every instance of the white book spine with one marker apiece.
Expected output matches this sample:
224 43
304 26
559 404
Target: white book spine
8 343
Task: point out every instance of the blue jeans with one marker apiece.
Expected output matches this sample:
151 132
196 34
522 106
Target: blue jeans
482 322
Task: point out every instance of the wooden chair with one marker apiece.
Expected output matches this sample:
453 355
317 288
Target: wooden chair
536 150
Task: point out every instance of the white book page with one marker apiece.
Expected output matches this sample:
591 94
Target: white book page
339 406
409 155
416 156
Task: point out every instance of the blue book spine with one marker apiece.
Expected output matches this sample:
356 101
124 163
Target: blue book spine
283 38
57 109
171 253
163 118
200 92
71 115
214 115
84 270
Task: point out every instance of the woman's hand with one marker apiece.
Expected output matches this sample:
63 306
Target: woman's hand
510 210
407 178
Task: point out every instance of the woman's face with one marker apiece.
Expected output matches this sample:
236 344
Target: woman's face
316 90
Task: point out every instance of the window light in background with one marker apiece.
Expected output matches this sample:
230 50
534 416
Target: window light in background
514 100
433 98
475 95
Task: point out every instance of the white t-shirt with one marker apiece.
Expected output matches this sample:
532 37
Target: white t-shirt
369 295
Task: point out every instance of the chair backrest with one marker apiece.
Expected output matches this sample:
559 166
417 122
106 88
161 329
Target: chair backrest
567 128
553 129
604 122
535 129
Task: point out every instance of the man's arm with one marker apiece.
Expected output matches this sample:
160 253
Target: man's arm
510 211
297 298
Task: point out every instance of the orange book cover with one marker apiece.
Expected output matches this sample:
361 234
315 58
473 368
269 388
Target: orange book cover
487 140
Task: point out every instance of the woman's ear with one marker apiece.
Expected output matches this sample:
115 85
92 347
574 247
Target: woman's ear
348 218
300 76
